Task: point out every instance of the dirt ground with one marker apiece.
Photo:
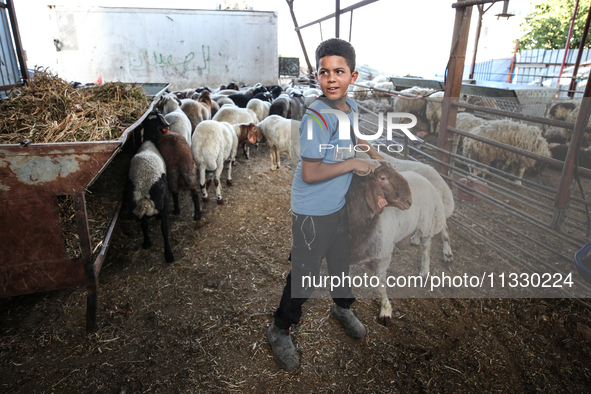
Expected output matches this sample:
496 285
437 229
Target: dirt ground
198 325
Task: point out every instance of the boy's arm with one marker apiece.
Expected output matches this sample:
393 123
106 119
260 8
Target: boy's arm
371 152
316 171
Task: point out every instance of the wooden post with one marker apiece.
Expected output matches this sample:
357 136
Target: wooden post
566 185
478 28
453 84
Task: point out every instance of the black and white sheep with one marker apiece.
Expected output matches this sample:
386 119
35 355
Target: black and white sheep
177 155
147 192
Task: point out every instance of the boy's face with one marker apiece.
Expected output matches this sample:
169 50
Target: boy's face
335 76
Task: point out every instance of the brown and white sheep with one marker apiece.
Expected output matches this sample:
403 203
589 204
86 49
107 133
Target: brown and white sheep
384 208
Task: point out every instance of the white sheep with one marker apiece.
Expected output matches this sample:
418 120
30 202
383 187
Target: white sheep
414 105
512 133
147 192
362 90
466 121
384 86
170 106
572 118
278 133
380 79
259 107
235 115
214 143
433 111
312 92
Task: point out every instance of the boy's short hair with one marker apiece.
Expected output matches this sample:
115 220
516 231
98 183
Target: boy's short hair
336 47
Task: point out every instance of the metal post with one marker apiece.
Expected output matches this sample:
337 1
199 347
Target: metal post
570 34
566 185
453 84
295 23
351 26
17 40
337 18
573 82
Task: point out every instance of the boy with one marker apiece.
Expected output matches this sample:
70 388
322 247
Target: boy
319 216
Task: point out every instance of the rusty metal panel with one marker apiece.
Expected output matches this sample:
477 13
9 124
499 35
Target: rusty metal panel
51 169
41 276
30 231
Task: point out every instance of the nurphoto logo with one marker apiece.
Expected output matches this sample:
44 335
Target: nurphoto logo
345 127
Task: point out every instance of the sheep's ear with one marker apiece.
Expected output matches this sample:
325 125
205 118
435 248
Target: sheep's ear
163 119
374 195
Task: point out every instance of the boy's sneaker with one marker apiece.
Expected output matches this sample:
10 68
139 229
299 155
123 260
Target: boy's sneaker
353 326
283 348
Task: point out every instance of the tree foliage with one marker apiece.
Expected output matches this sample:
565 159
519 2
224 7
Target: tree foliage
547 26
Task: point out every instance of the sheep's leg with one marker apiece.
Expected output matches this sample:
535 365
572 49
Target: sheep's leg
278 155
202 182
273 159
425 260
229 177
146 231
385 307
175 200
168 256
520 173
197 204
218 185
416 238
448 256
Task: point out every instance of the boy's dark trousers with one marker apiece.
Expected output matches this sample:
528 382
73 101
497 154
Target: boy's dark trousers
313 238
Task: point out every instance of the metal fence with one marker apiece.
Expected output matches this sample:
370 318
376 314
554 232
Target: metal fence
515 221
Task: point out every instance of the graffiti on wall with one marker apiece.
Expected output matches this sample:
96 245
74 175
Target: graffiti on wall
145 59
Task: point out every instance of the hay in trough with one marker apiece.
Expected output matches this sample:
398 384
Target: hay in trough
49 109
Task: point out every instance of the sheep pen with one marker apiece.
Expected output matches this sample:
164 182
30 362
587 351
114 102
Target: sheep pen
198 324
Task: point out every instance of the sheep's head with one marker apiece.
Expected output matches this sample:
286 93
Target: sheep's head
205 98
385 187
154 126
251 133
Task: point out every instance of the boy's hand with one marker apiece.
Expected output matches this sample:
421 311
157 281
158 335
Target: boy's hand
365 167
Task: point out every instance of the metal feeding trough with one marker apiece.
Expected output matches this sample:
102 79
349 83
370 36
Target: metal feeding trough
523 99
33 255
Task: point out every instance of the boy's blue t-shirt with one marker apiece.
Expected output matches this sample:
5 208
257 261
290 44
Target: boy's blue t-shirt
328 196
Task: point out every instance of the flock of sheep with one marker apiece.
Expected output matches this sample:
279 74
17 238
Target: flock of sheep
547 142
193 135
199 132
